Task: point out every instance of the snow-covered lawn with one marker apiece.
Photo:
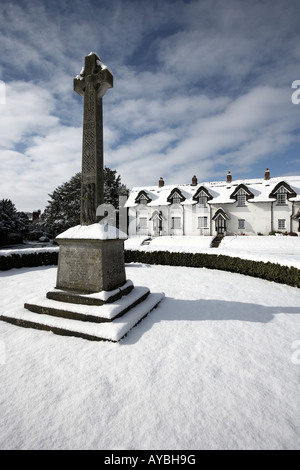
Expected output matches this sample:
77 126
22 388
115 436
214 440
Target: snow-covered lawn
215 366
284 250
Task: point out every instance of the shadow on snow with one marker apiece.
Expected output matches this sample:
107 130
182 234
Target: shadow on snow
171 309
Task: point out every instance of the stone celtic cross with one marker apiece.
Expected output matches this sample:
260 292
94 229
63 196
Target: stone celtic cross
92 83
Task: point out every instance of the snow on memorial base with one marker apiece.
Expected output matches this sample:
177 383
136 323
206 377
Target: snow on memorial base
90 257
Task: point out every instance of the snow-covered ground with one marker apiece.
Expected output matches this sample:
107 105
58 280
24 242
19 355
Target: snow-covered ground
215 366
284 250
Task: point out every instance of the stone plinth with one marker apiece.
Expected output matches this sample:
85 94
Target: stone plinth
87 266
91 259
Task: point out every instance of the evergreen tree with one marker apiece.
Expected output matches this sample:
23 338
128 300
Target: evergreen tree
63 209
113 188
14 225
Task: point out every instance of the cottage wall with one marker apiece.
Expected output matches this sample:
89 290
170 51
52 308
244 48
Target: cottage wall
194 215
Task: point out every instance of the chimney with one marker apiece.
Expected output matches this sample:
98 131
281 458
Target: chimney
229 177
267 174
194 181
161 182
36 216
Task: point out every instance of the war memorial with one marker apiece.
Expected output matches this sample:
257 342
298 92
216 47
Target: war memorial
92 298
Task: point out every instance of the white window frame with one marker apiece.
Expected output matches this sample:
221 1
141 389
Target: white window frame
143 200
202 199
176 198
281 199
176 223
241 224
202 222
143 223
281 224
241 198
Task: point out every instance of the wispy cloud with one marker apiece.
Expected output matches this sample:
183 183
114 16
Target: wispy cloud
199 87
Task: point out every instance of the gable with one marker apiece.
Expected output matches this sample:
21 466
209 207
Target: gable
157 215
202 191
175 193
282 188
221 214
242 189
142 195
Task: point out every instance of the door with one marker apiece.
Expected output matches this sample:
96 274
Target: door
155 227
220 225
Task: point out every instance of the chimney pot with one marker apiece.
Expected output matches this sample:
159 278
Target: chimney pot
194 181
267 174
229 177
161 182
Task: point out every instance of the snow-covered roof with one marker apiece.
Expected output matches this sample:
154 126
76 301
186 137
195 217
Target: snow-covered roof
221 191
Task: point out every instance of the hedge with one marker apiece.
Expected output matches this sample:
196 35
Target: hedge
268 271
28 260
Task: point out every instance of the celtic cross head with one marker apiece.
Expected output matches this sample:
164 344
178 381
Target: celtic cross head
94 73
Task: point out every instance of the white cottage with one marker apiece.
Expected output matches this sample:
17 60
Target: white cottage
243 207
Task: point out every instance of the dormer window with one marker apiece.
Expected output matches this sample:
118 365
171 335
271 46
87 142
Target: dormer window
202 201
202 196
241 198
282 193
241 195
143 200
281 196
281 199
176 198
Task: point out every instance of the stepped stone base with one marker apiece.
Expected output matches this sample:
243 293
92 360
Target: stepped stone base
109 322
92 299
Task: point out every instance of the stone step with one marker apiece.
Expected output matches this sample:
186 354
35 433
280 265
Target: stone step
99 298
105 331
217 240
88 313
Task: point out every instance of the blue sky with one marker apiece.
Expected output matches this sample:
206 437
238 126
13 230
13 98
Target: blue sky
200 87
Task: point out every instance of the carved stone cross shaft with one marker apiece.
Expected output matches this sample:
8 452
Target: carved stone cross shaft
92 83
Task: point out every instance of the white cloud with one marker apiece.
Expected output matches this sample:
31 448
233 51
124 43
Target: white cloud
238 134
48 162
36 152
27 111
198 87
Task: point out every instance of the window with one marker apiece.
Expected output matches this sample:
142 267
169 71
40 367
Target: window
202 201
281 224
202 222
241 224
143 199
241 199
143 223
176 222
176 198
281 199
